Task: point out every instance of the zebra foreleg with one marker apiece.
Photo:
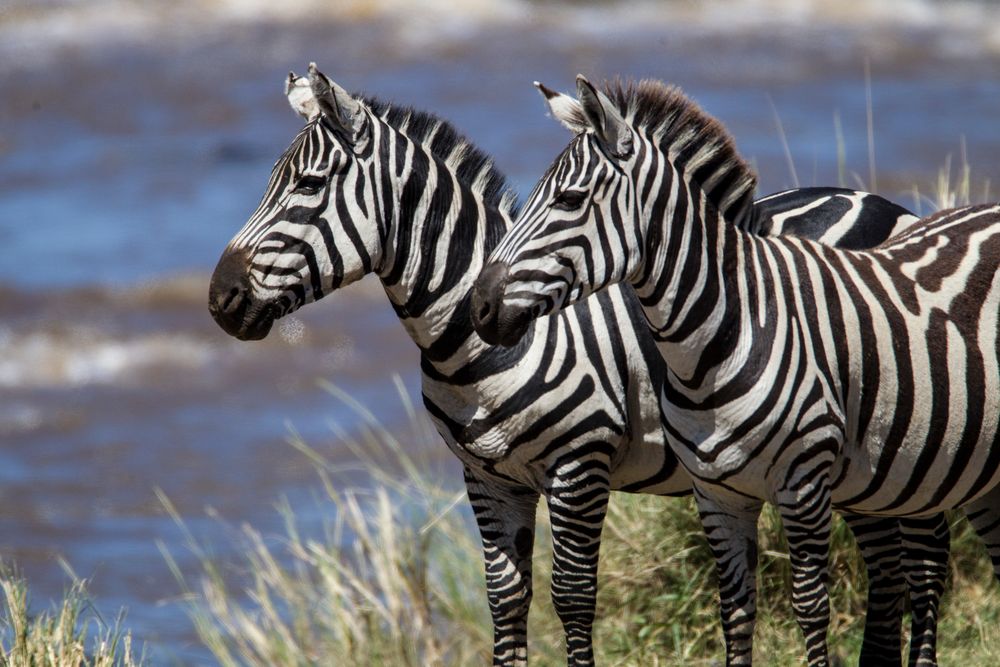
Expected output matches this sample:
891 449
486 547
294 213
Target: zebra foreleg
881 544
506 519
806 512
578 502
732 537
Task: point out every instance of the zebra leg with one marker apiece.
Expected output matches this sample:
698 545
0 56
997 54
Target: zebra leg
732 537
880 542
578 502
984 515
506 518
926 545
806 511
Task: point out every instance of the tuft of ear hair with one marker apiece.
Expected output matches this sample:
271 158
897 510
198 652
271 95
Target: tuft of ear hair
564 109
300 96
608 125
337 105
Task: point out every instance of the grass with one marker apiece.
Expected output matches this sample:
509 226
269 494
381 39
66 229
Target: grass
72 634
396 579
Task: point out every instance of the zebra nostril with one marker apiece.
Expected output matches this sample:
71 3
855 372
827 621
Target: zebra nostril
232 299
484 311
487 301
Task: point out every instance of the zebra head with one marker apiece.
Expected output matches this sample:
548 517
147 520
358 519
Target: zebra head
576 234
302 241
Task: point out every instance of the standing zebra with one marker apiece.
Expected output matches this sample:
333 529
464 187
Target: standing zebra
799 374
569 413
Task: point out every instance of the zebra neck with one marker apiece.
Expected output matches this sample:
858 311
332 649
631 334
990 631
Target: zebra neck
441 234
699 305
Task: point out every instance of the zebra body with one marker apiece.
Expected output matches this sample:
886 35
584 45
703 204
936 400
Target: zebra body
568 414
799 374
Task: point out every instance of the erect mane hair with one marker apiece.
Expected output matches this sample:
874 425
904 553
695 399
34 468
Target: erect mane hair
696 143
472 166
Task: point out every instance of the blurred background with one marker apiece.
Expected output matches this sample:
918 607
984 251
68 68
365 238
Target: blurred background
136 136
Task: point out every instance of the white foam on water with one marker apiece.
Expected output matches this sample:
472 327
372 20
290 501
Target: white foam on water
85 356
30 30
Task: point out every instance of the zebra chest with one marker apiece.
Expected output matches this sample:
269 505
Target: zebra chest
473 431
493 450
507 445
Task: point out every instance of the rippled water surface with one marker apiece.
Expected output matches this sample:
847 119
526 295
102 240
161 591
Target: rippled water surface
135 139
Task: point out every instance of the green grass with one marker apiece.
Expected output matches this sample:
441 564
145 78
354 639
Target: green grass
71 634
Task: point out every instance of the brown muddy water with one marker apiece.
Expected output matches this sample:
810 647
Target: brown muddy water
135 139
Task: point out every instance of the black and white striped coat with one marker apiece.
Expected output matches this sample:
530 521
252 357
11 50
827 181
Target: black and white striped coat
799 374
570 413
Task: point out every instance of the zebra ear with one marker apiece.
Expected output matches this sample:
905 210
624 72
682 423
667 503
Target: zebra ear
300 96
563 108
609 126
345 112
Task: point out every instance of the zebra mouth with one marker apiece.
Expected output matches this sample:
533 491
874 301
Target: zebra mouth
242 319
512 325
257 323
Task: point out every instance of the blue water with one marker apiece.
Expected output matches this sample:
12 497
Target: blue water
125 169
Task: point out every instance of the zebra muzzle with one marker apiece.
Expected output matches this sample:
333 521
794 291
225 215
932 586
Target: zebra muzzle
495 322
231 302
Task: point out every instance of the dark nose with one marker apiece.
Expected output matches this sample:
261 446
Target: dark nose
497 323
229 292
487 300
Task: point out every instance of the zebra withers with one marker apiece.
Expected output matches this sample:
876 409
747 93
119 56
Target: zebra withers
799 374
369 187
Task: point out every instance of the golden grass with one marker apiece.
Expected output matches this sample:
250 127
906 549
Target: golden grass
71 634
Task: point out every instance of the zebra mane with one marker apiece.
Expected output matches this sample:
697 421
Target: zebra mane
471 165
696 143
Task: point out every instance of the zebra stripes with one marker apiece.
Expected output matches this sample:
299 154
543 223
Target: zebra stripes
799 374
570 413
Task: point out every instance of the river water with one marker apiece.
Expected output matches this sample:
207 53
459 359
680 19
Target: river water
136 138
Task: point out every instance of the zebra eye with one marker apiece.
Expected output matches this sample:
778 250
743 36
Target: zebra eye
569 200
309 185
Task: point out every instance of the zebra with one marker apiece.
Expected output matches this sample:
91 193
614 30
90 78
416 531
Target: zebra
799 374
369 187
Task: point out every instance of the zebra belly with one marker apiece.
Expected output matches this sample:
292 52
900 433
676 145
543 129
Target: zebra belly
871 477
929 442
915 478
